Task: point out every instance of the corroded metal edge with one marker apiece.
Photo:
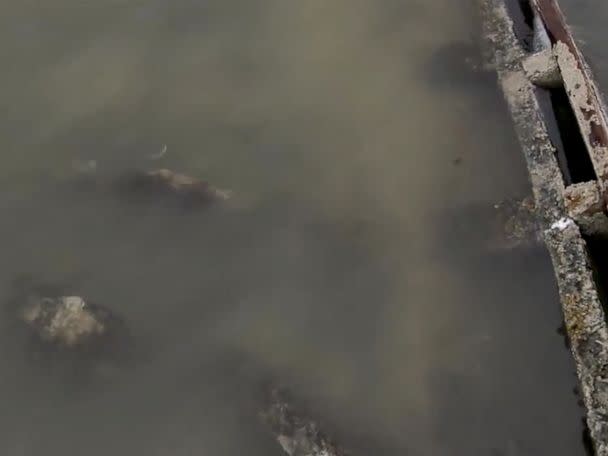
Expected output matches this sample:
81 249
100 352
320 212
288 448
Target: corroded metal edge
583 313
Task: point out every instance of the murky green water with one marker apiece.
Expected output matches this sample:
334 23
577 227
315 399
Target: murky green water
352 137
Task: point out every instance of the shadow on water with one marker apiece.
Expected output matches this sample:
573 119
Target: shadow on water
351 154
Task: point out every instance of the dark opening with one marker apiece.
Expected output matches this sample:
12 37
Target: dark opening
562 331
598 254
587 440
575 157
597 248
527 12
523 21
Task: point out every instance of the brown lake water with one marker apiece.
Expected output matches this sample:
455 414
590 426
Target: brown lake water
357 141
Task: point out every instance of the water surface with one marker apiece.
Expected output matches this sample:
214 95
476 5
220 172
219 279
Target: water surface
356 141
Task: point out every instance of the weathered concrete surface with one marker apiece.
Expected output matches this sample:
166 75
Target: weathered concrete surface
542 70
584 205
582 91
583 99
583 199
585 325
583 312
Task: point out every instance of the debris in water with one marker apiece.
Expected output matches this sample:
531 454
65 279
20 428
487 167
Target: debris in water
498 227
159 155
519 221
458 65
164 183
66 328
65 321
297 434
85 167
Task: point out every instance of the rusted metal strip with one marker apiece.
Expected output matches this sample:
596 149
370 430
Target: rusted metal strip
582 91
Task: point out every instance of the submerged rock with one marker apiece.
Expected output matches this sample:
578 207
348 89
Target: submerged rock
160 186
64 321
297 434
167 184
65 330
499 227
458 65
516 223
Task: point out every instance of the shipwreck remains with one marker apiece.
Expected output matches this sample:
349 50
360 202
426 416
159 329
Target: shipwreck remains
560 120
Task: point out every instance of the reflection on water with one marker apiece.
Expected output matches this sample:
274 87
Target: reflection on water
352 150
